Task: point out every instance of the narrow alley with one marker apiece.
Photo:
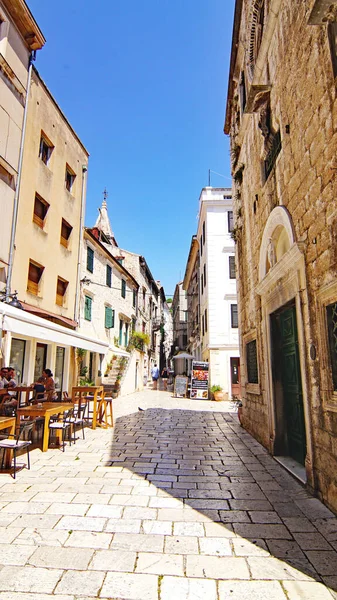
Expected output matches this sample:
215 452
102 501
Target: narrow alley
177 502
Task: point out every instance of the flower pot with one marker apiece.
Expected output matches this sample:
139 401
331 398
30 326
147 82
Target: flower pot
218 396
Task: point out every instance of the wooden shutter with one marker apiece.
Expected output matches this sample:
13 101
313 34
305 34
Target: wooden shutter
87 308
232 267
61 289
108 275
109 317
40 210
34 275
123 288
90 259
66 230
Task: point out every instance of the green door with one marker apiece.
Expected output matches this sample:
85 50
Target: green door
292 386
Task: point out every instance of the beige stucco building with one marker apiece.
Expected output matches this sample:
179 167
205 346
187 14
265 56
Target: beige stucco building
20 37
47 243
282 120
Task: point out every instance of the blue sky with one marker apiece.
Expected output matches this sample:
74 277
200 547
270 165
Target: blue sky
144 84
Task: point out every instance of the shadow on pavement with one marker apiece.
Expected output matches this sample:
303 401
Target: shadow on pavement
206 462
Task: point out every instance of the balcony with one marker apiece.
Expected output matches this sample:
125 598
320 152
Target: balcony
156 323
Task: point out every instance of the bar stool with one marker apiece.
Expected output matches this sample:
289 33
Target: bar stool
105 411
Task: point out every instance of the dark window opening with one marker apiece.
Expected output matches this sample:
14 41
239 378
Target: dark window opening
234 316
108 275
69 178
331 312
66 230
251 357
90 259
231 267
274 151
40 211
332 37
46 148
61 289
34 276
230 221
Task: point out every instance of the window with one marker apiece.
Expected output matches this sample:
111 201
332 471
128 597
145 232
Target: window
203 232
231 267
123 288
61 289
205 275
203 324
242 92
126 334
66 230
87 308
230 221
275 147
34 276
6 177
251 357
331 313
40 211
205 320
109 317
234 316
90 259
332 36
134 298
133 324
108 275
120 332
201 245
70 178
46 148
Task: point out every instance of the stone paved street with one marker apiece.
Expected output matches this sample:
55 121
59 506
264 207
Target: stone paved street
177 503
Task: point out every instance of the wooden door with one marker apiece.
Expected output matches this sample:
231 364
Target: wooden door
292 386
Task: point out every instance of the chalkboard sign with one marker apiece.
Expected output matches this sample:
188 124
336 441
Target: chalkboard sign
180 386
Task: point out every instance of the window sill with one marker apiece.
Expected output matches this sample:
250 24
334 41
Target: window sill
253 388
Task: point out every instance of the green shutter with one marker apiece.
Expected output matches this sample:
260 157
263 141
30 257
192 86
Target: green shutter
87 308
109 317
108 275
123 288
90 260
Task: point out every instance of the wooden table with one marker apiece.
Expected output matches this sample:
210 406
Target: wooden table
81 394
8 423
46 410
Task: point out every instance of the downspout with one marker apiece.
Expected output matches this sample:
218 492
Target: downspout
32 58
80 240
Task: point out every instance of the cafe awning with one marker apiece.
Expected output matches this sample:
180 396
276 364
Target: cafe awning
29 325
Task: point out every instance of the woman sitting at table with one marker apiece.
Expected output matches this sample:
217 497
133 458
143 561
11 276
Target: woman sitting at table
45 387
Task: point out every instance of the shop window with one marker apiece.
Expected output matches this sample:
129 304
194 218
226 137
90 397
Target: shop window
87 308
35 271
251 358
234 316
66 230
90 259
108 275
109 317
46 149
61 289
69 178
231 267
40 211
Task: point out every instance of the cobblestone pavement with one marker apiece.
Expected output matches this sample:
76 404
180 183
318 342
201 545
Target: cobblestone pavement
178 503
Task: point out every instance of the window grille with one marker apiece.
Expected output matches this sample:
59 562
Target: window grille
273 153
331 312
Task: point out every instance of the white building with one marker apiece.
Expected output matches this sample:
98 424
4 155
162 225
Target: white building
217 286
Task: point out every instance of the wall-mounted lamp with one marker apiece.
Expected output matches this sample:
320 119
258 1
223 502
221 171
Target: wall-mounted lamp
14 300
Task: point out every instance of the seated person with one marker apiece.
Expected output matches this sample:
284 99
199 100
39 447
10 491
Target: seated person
10 402
45 387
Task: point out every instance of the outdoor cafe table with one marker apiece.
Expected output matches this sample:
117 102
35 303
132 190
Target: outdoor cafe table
46 410
8 423
81 394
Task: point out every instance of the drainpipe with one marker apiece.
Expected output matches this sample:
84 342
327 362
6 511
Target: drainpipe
79 256
32 58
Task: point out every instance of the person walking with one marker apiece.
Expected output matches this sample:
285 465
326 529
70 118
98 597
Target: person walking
155 376
164 376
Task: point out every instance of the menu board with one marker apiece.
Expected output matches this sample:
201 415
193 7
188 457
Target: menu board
180 386
199 386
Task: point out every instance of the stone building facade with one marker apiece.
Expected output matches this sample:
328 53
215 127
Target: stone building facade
191 286
282 120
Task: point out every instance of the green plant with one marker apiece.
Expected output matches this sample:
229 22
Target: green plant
139 340
116 341
86 381
216 388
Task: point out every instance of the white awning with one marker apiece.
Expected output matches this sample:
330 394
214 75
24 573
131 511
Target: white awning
27 324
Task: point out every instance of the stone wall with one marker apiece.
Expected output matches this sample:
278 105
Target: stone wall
295 59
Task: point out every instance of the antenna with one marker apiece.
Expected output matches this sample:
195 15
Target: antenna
215 173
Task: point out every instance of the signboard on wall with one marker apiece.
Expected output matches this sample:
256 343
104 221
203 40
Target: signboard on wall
200 375
180 386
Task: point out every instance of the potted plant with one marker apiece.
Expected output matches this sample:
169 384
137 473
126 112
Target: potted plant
217 392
